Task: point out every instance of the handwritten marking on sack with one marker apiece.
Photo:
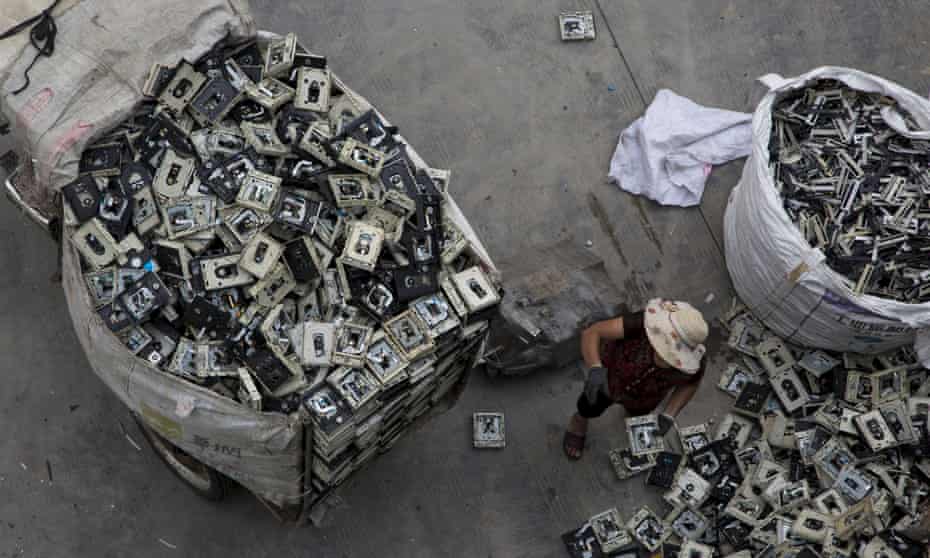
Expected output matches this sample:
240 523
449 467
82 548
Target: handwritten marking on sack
848 307
205 445
35 106
74 134
878 329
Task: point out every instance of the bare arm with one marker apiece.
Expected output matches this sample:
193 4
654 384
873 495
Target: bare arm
592 336
679 398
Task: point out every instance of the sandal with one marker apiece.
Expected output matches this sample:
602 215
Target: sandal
573 441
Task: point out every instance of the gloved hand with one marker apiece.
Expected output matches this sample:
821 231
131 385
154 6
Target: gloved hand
665 423
596 383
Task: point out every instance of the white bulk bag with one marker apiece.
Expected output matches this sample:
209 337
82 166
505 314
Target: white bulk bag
778 275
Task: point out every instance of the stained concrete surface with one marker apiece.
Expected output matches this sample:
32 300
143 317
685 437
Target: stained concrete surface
527 125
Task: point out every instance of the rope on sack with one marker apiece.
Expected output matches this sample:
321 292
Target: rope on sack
41 36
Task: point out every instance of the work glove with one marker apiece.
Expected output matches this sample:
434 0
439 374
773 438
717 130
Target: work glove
595 384
665 423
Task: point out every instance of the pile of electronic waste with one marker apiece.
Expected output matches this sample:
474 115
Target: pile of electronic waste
823 455
855 187
258 229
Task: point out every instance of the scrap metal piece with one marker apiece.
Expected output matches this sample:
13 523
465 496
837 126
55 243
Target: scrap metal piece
260 255
734 378
774 356
818 363
896 417
689 489
626 465
693 438
410 334
647 528
159 77
856 517
688 523
270 93
488 430
224 272
752 399
318 343
475 289
259 191
693 549
790 390
272 289
313 87
830 503
214 101
95 243
812 526
643 433
356 385
351 344
363 245
182 88
103 159
352 190
735 429
184 217
875 430
745 335
746 506
384 360
279 56
853 484
362 157
248 391
173 175
577 26
144 296
102 285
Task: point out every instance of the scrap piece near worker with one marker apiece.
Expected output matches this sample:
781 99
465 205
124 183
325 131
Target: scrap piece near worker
636 360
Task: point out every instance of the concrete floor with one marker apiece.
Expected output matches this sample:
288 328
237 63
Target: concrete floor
527 125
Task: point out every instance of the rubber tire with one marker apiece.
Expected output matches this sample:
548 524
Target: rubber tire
209 484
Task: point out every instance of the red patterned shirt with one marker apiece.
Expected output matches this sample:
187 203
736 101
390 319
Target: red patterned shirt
634 379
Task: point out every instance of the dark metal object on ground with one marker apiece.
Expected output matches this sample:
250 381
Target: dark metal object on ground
553 293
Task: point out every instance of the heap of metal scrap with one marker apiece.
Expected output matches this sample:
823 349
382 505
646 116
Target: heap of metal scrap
857 189
822 455
259 230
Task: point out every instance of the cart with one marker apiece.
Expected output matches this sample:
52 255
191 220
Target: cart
208 441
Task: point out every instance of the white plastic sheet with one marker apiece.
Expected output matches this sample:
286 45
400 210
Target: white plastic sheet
785 281
667 153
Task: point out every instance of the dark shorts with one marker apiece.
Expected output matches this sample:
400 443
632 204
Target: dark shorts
587 410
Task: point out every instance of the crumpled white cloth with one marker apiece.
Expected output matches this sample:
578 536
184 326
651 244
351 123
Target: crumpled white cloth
667 153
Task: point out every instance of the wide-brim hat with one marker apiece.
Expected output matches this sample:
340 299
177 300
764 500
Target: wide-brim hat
677 332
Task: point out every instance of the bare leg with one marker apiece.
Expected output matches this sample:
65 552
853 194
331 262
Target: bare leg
577 425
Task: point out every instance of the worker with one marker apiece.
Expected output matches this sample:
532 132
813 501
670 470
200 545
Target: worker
636 360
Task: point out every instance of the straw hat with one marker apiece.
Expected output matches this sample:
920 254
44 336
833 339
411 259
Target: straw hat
677 332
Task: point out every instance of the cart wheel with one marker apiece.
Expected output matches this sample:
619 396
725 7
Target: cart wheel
204 480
